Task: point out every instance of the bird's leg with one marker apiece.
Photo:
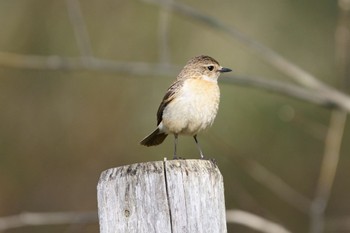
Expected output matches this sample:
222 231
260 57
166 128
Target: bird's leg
175 144
199 148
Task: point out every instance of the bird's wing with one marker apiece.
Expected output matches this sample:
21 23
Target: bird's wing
168 97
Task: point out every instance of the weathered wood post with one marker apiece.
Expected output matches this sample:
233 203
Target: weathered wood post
177 196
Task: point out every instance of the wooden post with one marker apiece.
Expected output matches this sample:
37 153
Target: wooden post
177 196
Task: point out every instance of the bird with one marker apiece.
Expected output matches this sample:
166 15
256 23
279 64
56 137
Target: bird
190 104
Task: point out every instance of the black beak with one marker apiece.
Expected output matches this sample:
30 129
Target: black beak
223 70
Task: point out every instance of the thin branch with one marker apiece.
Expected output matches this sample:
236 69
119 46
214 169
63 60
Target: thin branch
335 133
38 219
328 170
79 27
292 70
268 54
254 222
285 88
277 185
266 178
163 33
54 62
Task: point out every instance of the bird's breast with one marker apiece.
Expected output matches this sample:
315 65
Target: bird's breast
194 108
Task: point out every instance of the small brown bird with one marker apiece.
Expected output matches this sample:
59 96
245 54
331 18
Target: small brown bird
190 104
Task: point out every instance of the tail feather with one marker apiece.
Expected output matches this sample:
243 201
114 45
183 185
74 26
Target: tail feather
155 138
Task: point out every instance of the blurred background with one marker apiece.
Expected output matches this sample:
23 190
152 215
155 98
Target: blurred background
81 81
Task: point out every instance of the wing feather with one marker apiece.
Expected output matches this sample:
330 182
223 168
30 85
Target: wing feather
168 97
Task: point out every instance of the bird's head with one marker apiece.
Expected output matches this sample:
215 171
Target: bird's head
203 67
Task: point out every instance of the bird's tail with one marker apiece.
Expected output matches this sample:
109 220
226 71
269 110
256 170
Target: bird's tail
155 138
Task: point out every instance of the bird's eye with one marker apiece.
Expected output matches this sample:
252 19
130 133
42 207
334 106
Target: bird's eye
210 68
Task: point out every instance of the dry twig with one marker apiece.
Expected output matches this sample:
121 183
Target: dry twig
38 219
254 222
265 177
328 170
290 69
335 132
79 27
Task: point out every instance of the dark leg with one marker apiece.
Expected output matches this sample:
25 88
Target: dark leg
175 144
199 148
